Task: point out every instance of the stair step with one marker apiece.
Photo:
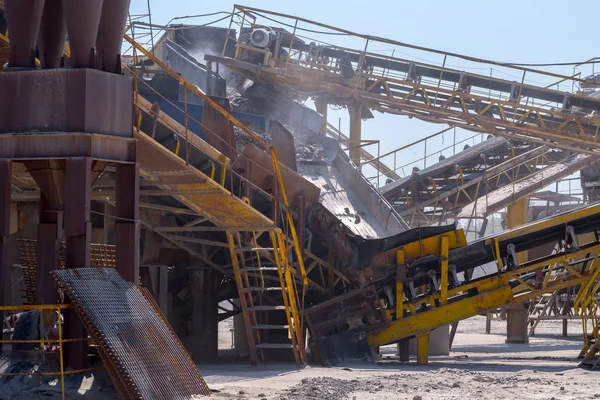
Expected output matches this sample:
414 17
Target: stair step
274 346
265 326
267 308
262 289
245 249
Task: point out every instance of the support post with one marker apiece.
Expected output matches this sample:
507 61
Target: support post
331 271
49 237
355 110
404 350
403 345
423 349
444 270
127 226
78 231
516 314
322 108
301 212
205 315
109 224
163 290
5 195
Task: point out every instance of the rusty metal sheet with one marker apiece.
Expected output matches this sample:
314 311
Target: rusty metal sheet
24 28
261 174
110 34
67 100
147 359
66 145
217 129
282 141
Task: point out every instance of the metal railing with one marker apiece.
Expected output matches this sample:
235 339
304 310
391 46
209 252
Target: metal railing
43 341
436 93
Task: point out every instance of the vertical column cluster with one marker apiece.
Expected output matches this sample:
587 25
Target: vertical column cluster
95 30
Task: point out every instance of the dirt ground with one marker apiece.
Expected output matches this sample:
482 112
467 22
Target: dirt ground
479 366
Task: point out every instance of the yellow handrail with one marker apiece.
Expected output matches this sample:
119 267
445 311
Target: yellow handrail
42 341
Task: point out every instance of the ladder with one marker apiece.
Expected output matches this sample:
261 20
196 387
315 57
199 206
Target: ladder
266 285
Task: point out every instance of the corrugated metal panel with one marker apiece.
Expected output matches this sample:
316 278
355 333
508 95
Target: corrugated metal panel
144 356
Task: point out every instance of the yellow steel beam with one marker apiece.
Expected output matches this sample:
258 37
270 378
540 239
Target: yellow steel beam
532 227
493 291
423 349
444 246
461 116
516 215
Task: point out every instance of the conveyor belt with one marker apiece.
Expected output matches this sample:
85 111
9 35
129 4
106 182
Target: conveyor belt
130 334
429 92
504 196
526 237
392 190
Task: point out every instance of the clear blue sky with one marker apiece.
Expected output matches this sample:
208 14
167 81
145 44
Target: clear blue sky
519 31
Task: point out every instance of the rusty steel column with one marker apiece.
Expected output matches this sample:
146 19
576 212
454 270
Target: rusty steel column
53 34
83 19
5 192
78 230
110 35
205 314
23 20
127 226
49 236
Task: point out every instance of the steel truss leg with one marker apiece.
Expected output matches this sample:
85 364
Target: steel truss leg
423 349
78 230
49 236
5 194
127 225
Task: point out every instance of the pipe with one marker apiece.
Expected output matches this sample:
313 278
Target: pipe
110 34
53 34
23 19
83 18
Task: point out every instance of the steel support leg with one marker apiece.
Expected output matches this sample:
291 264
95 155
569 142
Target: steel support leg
78 230
355 110
5 192
205 323
516 314
49 236
404 350
423 349
127 226
322 108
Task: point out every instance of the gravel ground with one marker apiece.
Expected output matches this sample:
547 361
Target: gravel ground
480 366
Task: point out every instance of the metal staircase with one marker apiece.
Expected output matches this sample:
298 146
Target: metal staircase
266 287
174 176
254 263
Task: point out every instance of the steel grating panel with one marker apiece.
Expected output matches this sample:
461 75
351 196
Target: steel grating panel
197 191
145 357
102 256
